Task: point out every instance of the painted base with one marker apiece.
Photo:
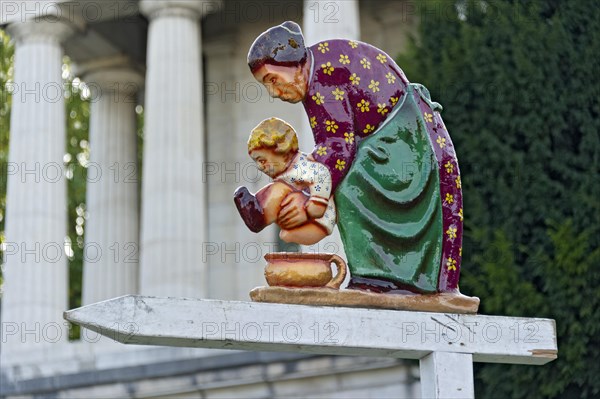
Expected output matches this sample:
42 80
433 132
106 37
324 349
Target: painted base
441 303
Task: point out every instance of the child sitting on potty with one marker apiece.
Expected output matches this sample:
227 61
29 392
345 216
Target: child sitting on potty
273 145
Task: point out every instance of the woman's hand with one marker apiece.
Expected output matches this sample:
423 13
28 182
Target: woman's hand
292 213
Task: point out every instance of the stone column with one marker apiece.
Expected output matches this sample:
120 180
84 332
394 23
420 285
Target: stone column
35 274
112 227
173 194
326 20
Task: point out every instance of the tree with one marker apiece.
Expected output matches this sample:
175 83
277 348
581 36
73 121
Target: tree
76 160
520 89
6 63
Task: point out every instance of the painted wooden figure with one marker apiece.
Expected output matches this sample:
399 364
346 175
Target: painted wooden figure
395 179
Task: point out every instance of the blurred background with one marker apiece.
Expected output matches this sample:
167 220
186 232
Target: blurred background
148 130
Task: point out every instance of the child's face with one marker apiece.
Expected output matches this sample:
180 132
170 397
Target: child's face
269 162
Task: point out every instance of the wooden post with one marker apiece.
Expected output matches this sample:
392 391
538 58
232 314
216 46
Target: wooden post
446 344
447 375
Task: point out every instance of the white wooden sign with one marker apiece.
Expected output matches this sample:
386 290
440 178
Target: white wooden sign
446 344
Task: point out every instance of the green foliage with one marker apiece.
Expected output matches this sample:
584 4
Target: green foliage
6 62
519 85
78 114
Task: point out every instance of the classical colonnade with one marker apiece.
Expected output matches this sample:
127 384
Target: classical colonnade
152 251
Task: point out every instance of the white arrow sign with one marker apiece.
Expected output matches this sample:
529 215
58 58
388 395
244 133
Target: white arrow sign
446 344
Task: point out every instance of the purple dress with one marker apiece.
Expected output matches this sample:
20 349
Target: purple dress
354 88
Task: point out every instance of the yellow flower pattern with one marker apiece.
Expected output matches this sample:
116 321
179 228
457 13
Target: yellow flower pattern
318 98
383 87
323 47
363 105
338 94
331 126
451 232
327 68
451 264
374 86
441 141
340 165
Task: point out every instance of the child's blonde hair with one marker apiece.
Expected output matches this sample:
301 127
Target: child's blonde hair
275 134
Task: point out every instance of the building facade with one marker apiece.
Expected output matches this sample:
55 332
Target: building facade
179 234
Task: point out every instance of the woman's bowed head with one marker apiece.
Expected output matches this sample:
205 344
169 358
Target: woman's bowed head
279 60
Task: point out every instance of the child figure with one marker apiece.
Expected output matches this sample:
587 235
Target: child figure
273 145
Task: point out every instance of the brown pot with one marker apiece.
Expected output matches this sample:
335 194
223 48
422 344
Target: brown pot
295 269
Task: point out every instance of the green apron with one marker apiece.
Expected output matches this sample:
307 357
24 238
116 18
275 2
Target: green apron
389 207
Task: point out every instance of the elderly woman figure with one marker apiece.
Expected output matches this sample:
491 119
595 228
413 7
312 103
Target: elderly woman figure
394 172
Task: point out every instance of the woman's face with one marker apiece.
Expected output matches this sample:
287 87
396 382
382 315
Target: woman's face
286 83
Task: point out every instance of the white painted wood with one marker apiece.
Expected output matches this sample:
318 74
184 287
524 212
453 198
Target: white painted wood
111 231
35 273
323 330
173 220
447 375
